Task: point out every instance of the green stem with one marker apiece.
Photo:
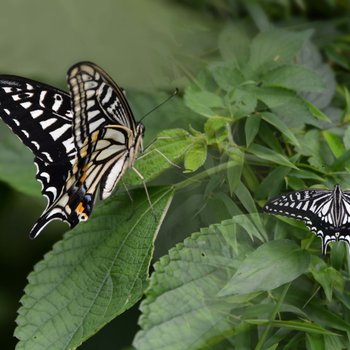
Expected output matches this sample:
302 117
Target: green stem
261 341
204 174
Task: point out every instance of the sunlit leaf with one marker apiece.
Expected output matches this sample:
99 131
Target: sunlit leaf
96 272
168 150
195 156
269 155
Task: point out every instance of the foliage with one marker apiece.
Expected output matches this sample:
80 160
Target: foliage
267 113
217 289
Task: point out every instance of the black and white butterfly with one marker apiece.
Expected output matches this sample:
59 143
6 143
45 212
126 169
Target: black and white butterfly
82 141
325 213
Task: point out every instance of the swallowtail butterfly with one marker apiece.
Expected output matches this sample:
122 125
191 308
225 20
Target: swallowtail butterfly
325 213
82 141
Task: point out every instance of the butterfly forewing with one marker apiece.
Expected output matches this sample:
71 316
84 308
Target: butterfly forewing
40 116
97 101
326 213
100 104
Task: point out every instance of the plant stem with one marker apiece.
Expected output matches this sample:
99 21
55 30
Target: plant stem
202 175
272 317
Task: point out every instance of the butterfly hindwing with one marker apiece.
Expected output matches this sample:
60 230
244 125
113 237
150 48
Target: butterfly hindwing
325 213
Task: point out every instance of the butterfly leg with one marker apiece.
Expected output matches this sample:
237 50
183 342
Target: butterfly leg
145 187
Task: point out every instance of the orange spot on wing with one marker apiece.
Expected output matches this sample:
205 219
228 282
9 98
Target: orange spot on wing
80 208
84 174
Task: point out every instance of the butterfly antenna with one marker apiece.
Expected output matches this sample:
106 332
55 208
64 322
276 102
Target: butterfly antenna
176 91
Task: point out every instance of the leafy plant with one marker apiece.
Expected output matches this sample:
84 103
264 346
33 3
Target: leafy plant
267 114
218 289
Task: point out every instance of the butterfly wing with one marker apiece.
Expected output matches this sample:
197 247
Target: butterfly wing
343 232
97 101
314 207
40 116
100 104
106 138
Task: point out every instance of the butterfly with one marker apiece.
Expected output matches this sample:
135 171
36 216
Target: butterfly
325 213
83 142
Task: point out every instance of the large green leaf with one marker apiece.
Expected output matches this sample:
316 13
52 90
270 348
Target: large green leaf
294 77
270 155
275 46
182 309
281 126
271 265
203 102
95 273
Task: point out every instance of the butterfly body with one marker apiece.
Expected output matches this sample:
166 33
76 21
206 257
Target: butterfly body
83 142
325 213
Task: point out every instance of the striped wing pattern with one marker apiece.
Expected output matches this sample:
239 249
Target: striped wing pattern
40 115
104 128
82 141
325 213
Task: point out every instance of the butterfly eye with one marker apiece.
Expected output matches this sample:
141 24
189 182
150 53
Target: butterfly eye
83 217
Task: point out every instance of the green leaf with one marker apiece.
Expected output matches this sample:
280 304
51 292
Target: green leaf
95 273
181 300
315 342
334 142
242 103
327 318
270 266
273 96
293 77
269 155
216 129
307 327
227 76
317 113
286 103
346 138
333 342
234 173
252 225
195 156
245 197
170 147
326 276
251 128
272 183
281 126
306 174
203 102
295 113
275 46
311 58
312 147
